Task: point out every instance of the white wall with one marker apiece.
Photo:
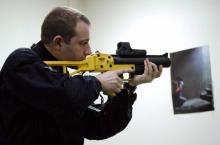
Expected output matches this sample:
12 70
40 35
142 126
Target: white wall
78 4
160 26
21 22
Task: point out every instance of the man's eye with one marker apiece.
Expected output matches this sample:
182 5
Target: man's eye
83 43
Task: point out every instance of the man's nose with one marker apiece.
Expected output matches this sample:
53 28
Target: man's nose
88 50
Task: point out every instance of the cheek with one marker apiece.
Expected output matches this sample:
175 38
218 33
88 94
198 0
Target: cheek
77 54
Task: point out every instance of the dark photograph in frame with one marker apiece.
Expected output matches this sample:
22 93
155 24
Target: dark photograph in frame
191 80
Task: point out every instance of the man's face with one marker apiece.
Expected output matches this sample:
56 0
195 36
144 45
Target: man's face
78 47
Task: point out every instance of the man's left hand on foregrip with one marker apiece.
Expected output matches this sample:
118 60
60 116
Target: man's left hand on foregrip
151 71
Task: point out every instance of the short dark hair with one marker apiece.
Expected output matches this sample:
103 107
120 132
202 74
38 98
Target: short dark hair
61 21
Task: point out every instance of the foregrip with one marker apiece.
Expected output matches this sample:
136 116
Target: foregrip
139 61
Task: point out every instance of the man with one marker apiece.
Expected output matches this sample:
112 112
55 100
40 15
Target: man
40 105
179 98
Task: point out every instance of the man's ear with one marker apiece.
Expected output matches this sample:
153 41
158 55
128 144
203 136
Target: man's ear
58 42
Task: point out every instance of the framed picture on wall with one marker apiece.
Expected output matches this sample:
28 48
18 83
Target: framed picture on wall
191 80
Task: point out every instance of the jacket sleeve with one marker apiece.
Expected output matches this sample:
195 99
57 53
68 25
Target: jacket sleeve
34 83
112 119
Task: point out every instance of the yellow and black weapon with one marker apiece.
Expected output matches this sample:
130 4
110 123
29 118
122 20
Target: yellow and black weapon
98 62
125 57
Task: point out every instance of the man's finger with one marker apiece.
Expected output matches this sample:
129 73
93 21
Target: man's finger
146 66
149 67
120 81
160 70
155 69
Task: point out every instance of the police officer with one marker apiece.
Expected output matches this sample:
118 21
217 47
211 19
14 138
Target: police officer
40 105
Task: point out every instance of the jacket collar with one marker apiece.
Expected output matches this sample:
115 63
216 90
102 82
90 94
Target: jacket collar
43 53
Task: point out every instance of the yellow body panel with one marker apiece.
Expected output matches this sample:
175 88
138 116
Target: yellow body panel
98 62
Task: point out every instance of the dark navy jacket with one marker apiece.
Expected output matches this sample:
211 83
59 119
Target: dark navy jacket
43 106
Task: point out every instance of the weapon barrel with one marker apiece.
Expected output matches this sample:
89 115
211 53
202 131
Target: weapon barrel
157 59
138 61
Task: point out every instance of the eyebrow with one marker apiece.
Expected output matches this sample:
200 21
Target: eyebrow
84 39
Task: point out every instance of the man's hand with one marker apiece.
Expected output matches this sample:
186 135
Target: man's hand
111 82
151 72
